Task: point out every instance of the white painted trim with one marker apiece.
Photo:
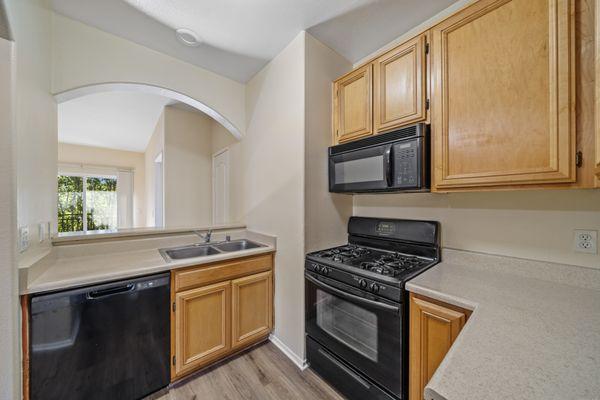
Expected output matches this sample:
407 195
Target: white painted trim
152 89
299 361
431 22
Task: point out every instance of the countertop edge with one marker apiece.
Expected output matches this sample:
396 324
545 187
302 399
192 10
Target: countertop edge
446 298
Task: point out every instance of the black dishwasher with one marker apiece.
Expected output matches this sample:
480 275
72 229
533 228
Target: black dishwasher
108 341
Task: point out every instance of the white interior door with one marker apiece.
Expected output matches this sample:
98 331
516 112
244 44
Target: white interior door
221 187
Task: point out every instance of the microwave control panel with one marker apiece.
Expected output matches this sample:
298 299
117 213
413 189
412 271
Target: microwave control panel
406 164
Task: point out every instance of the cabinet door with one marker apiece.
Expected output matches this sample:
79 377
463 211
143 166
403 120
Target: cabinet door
433 329
597 28
503 97
352 104
400 86
202 326
252 309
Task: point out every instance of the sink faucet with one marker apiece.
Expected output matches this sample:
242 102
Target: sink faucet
206 236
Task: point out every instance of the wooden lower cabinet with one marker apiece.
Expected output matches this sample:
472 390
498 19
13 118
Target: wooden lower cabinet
252 314
202 326
212 320
433 328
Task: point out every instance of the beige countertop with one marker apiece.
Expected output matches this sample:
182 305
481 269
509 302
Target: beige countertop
534 332
74 265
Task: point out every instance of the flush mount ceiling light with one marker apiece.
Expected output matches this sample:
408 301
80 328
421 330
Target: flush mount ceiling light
188 37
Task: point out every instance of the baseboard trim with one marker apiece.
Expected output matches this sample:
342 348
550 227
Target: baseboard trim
300 362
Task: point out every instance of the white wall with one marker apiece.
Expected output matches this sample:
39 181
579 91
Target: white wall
327 214
155 146
84 55
9 327
528 224
99 156
187 168
273 173
36 120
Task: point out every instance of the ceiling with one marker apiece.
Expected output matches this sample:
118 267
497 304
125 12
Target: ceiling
241 36
114 120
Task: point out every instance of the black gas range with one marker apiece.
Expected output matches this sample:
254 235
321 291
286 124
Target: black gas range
357 308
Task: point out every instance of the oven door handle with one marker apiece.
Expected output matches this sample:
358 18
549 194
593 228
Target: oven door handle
351 297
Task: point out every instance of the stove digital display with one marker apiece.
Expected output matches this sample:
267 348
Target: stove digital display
386 228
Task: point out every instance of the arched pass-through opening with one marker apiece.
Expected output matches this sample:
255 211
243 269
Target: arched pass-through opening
146 88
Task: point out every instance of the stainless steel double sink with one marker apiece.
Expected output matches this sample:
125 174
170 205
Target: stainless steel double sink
207 249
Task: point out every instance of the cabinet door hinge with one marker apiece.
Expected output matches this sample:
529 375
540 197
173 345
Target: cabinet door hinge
426 48
579 159
173 360
427 104
173 306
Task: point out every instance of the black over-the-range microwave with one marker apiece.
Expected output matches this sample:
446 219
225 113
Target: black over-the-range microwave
397 161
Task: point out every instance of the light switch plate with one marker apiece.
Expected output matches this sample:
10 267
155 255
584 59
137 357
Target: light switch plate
23 241
585 241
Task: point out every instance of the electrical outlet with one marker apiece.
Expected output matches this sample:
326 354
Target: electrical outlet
23 238
585 241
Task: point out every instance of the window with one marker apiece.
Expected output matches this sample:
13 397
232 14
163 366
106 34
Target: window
86 203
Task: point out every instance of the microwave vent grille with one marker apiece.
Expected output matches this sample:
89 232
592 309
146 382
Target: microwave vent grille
411 131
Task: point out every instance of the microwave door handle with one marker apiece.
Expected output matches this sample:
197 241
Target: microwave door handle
351 297
387 160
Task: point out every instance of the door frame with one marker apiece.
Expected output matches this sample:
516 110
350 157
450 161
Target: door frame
159 160
224 150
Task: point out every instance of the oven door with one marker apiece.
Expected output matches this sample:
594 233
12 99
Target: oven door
361 170
361 329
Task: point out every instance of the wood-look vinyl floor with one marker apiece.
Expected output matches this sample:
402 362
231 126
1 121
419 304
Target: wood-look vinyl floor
263 373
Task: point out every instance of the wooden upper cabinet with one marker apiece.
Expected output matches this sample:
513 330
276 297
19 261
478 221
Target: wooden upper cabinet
352 105
503 95
202 326
433 329
597 84
251 308
400 86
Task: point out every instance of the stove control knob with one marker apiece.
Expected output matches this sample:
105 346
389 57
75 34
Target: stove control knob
318 268
362 283
374 287
325 271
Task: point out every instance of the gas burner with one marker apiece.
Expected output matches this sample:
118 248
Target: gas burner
378 268
325 254
344 253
